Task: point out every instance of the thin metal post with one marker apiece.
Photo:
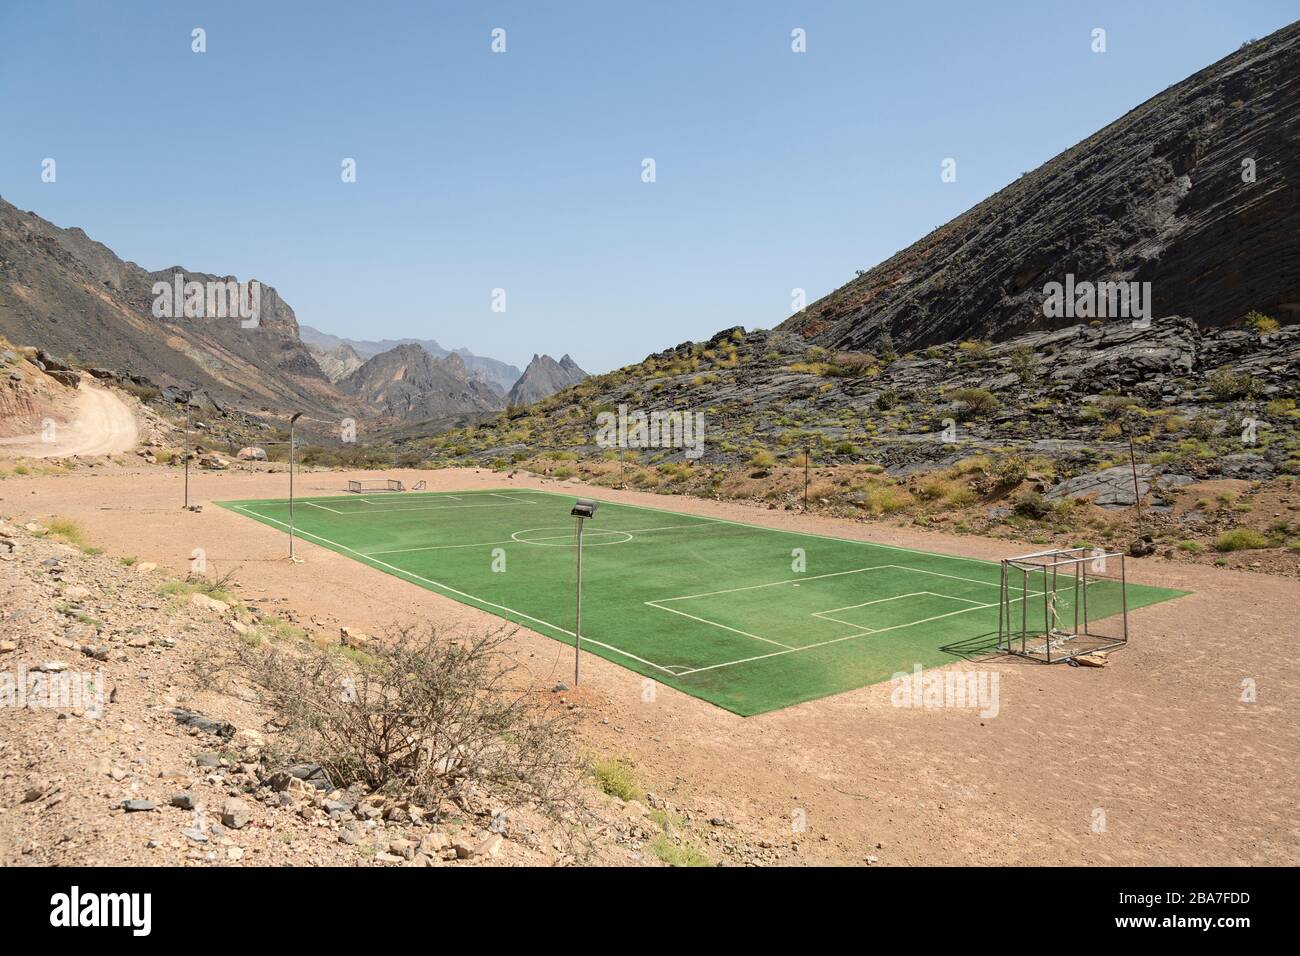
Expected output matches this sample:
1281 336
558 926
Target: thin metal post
1137 495
291 424
1077 566
1025 605
1086 625
187 456
1047 619
577 625
1123 590
1002 605
807 456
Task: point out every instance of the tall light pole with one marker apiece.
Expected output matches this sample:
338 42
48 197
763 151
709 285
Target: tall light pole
187 455
292 422
807 457
583 508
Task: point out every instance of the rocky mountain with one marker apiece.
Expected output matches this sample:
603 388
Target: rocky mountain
63 292
338 362
409 384
501 374
1195 191
543 378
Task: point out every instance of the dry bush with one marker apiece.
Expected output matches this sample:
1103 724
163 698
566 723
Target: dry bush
423 716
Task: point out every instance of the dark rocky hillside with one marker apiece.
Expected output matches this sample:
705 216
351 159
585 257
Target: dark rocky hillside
63 292
1059 395
1157 196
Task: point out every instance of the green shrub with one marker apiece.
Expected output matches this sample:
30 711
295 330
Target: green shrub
1226 385
674 854
1030 504
1261 323
614 777
67 529
1241 539
975 402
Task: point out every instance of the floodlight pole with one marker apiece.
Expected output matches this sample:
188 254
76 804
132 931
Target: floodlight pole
292 421
1137 495
806 457
577 626
187 455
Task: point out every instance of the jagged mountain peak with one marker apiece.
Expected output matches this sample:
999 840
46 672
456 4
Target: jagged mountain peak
544 377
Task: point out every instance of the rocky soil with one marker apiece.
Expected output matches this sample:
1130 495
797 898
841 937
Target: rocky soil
158 754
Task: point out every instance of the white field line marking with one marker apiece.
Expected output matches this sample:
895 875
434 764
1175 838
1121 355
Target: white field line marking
322 507
769 584
897 597
809 647
826 615
488 544
389 511
724 626
464 594
975 606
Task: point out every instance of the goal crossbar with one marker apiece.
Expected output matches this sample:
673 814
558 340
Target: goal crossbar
375 484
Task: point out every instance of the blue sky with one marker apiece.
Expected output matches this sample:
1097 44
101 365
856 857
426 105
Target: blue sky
522 170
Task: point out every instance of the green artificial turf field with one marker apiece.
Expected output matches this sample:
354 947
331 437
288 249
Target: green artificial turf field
717 609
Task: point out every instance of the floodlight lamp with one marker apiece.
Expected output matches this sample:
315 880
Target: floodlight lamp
584 508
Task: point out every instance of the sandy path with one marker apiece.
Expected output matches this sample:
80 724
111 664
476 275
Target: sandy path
102 424
1156 759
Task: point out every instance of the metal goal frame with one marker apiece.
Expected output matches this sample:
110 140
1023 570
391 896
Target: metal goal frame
1048 640
358 485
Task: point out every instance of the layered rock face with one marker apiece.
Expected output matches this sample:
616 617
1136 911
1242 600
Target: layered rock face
1196 191
62 291
501 374
338 362
544 377
409 384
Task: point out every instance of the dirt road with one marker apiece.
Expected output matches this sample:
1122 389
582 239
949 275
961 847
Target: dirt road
102 424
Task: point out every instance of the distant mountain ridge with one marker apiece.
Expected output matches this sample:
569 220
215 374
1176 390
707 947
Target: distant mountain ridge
409 384
502 374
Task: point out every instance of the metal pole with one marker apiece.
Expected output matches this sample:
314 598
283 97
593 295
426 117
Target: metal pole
1002 603
1137 496
1123 590
291 424
806 457
577 626
187 456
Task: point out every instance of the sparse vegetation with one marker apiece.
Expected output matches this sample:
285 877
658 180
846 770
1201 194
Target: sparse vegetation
428 716
615 778
1241 539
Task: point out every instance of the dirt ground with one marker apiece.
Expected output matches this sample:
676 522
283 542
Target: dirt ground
1183 751
99 423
